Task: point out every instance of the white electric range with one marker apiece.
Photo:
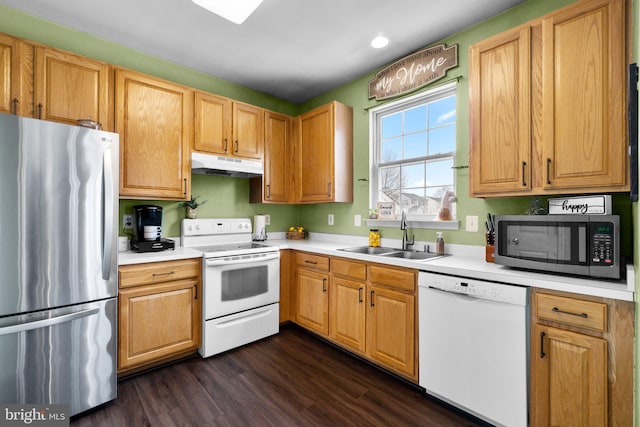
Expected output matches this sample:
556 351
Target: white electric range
240 283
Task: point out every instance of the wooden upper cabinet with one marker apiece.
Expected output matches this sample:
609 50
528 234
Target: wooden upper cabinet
547 104
248 131
228 128
275 185
16 76
324 158
499 101
584 96
212 115
69 87
153 118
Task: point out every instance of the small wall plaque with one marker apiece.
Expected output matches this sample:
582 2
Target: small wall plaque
386 210
589 205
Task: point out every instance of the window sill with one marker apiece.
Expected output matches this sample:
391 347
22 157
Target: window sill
432 225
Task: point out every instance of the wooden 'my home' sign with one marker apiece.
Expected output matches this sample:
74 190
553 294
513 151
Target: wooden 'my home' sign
414 71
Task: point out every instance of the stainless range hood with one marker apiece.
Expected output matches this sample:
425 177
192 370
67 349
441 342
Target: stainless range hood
211 164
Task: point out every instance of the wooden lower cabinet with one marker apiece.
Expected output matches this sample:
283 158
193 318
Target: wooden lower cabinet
571 378
581 360
158 313
347 320
369 309
313 300
392 331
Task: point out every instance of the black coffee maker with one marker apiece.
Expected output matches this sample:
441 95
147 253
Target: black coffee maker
147 230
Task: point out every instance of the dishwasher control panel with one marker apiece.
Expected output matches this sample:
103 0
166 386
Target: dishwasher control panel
481 289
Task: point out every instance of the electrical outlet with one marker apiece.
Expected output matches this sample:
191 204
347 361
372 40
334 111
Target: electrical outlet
127 222
267 220
472 223
357 220
330 219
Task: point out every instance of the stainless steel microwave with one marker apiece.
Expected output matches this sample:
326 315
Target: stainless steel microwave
586 245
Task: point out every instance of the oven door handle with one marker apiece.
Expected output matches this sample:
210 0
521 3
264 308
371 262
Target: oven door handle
212 262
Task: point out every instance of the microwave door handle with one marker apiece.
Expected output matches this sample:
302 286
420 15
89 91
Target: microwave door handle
249 260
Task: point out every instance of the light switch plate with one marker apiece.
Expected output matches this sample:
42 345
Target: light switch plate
127 222
472 223
357 220
330 219
267 220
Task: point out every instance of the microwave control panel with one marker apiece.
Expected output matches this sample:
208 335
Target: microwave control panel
602 242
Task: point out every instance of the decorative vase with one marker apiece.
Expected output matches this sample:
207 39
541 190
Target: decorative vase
191 213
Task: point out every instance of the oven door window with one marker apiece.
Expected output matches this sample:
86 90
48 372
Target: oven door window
239 284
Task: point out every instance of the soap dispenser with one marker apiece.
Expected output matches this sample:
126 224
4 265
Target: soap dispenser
439 243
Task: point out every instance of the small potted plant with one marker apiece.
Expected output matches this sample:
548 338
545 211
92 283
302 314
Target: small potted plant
192 206
373 214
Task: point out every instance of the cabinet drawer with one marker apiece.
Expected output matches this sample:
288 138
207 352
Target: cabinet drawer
586 314
317 262
158 272
352 270
404 279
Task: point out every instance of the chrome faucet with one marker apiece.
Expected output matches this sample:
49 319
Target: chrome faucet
405 239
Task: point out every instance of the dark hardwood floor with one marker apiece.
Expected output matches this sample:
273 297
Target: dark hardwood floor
290 379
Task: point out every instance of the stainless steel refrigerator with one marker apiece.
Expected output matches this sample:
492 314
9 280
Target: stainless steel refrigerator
58 263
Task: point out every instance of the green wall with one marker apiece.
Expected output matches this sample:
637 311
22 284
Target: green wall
229 197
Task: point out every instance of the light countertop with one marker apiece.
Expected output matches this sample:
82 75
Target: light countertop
461 260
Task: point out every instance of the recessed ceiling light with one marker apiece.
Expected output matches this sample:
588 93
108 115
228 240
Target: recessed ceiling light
235 11
379 42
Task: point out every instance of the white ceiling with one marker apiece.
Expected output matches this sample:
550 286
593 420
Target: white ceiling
291 49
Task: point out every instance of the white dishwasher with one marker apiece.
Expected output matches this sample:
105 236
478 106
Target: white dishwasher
474 346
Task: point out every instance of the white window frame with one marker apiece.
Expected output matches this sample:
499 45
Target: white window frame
402 104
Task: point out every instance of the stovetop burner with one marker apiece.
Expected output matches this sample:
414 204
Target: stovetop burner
231 247
221 237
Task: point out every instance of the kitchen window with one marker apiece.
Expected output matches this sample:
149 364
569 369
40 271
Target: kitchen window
413 147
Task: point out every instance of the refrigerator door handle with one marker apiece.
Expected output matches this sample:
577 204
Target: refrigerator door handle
39 324
107 215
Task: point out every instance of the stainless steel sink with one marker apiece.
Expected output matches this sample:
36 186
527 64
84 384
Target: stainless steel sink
369 250
391 252
411 255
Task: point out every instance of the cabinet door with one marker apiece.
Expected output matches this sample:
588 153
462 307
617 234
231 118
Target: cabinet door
499 110
391 324
248 131
315 155
212 123
584 75
157 321
276 157
153 120
16 76
70 87
347 318
313 300
569 375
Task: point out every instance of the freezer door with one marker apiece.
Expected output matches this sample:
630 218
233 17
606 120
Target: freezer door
58 217
63 356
